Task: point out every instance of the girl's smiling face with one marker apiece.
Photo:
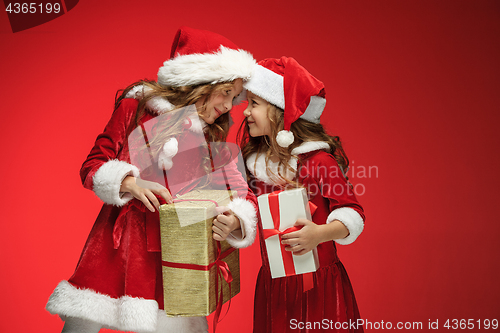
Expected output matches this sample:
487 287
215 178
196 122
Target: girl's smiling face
219 103
257 117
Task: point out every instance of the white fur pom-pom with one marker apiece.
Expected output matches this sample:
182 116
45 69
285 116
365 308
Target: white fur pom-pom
165 163
169 150
284 138
171 147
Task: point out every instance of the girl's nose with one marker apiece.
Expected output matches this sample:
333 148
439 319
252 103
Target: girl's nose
228 105
246 112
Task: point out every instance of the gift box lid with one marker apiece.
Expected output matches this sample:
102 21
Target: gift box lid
197 206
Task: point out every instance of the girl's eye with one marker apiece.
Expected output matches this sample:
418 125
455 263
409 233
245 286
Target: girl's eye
227 92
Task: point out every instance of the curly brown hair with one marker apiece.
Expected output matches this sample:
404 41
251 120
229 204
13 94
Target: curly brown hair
302 130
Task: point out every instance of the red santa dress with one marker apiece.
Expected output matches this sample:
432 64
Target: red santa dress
280 303
118 279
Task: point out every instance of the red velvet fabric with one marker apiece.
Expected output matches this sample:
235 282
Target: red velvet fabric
122 254
280 304
190 41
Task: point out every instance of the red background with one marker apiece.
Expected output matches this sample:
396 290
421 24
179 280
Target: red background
412 88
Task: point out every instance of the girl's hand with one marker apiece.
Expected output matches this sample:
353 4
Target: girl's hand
225 223
304 240
145 191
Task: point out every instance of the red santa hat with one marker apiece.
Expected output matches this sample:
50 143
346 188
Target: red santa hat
289 86
200 56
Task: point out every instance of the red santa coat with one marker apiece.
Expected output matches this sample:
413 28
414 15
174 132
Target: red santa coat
280 304
118 279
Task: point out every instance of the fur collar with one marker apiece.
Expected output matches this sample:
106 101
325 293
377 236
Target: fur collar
309 146
157 104
258 168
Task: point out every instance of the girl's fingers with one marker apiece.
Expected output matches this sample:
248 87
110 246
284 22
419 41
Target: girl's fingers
165 194
217 237
220 226
153 199
298 249
146 202
218 233
290 241
291 235
155 188
294 248
222 219
217 230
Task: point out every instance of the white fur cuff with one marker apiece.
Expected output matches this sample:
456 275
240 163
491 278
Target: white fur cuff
351 219
125 313
108 179
247 214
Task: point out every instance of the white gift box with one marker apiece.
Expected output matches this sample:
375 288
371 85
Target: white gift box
279 211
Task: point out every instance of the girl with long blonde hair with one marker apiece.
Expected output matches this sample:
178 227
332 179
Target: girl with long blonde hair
146 155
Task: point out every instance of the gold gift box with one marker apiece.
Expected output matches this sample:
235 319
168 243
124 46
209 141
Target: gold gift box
186 238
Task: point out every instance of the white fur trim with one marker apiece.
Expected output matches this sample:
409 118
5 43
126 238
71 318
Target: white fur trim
351 219
108 179
169 150
268 85
125 313
284 138
258 168
157 104
314 109
160 105
192 69
137 91
247 214
181 324
309 146
165 324
73 324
